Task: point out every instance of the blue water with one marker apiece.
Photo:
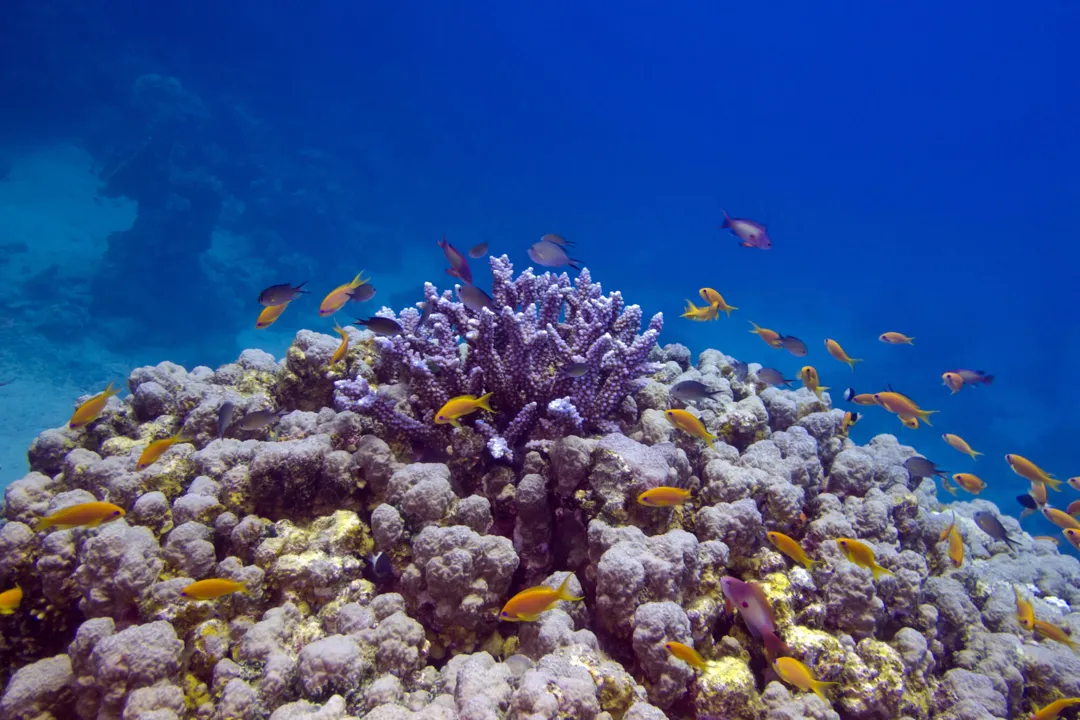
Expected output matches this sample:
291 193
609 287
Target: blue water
916 165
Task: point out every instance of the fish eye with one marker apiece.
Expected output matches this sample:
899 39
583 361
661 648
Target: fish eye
115 513
844 543
506 614
745 604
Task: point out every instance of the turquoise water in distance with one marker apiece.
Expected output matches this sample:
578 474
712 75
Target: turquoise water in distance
916 166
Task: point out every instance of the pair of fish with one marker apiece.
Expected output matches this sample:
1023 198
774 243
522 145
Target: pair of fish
896 338
528 605
957 379
89 410
809 377
689 424
716 300
459 266
773 339
711 311
458 407
549 253
956 543
839 353
751 234
788 668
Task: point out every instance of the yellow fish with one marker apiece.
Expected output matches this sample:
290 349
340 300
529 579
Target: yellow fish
90 514
864 399
461 406
89 410
154 450
269 315
529 604
340 295
902 405
1030 471
956 546
958 443
791 548
972 483
1062 519
212 589
343 347
809 378
953 381
663 497
910 421
9 600
1025 614
945 533
716 300
686 422
1074 482
862 555
1052 539
794 672
838 352
1053 710
771 337
850 418
1072 535
1038 491
701 314
687 654
895 338
1053 632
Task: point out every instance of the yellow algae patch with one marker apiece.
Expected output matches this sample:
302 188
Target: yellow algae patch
118 446
727 689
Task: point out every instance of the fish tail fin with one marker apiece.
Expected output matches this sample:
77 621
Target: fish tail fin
1053 483
756 329
852 361
358 280
42 524
975 454
988 379
774 646
879 572
484 401
304 292
818 685
564 593
708 438
924 415
576 264
729 308
1026 512
911 341
727 220
110 390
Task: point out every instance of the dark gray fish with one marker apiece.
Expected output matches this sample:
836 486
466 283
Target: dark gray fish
919 467
689 390
741 370
363 293
548 254
772 376
989 524
381 326
574 370
259 419
474 298
557 239
281 294
224 418
793 345
478 251
380 566
429 307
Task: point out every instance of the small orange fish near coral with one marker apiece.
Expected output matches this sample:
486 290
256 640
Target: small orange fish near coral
700 314
343 347
90 514
88 411
903 406
155 449
663 497
340 295
1053 710
1030 471
810 380
958 443
690 424
794 672
716 300
771 337
529 604
972 483
862 555
212 588
790 547
269 315
838 352
460 407
10 600
1025 614
687 654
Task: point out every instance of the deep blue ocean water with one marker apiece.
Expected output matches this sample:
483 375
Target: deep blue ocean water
916 165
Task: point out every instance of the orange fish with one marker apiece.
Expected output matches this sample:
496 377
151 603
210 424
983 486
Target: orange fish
343 347
1038 492
910 421
687 654
1053 710
1074 508
972 483
902 405
1030 471
794 672
701 314
10 599
341 295
791 548
1072 535
663 497
1025 614
690 424
958 443
269 315
810 380
1053 632
716 300
771 337
850 418
529 604
895 338
952 381
862 555
1074 482
1059 518
155 449
87 412
89 514
212 588
956 547
838 352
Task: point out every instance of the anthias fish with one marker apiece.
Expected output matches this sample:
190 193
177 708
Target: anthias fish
281 294
751 234
528 605
89 410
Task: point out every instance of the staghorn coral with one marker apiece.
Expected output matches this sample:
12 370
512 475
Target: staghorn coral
296 512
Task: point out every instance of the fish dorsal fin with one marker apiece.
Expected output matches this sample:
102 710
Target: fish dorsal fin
760 595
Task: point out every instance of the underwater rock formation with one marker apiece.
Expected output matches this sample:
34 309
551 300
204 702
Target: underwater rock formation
375 549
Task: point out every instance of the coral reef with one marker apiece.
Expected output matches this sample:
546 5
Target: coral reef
304 516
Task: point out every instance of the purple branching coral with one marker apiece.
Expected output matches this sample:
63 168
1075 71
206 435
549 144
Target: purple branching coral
517 353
